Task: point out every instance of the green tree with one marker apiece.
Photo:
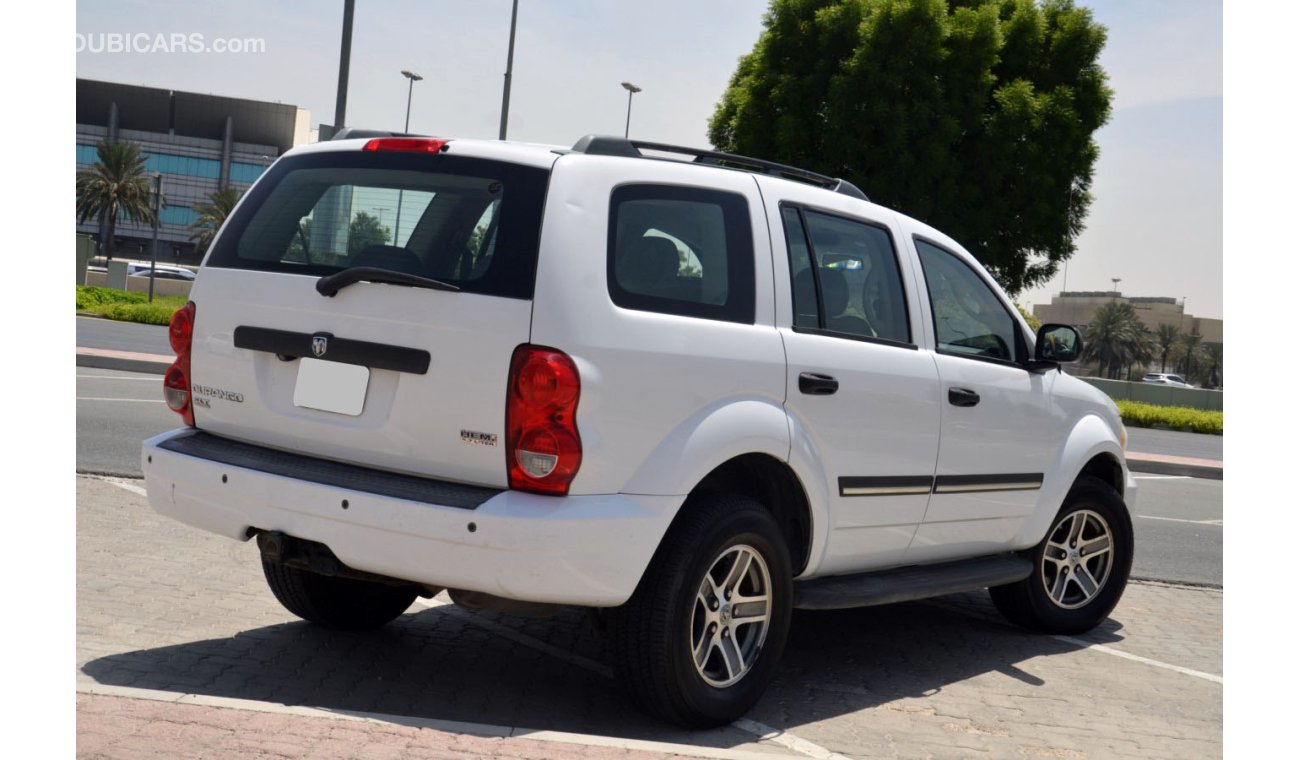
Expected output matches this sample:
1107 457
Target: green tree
1166 338
1117 340
975 116
365 231
1034 322
212 215
114 187
1189 355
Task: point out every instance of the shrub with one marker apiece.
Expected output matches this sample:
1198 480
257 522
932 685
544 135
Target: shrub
156 313
127 306
1173 417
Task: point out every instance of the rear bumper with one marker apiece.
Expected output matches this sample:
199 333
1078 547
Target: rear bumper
585 550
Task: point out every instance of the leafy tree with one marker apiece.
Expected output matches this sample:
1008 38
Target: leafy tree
975 116
365 231
1190 349
212 215
1118 340
1034 322
1166 338
114 187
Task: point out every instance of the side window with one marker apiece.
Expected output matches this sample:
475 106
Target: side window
844 276
969 320
681 250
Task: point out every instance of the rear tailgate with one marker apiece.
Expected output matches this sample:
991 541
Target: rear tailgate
408 379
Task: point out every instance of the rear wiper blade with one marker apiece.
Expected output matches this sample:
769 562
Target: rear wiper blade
330 285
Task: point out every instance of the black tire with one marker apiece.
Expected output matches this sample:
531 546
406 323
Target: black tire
1094 506
652 635
341 603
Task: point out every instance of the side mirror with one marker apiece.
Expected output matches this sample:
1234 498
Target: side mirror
1056 344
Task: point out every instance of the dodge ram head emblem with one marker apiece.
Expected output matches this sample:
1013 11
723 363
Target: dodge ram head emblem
319 345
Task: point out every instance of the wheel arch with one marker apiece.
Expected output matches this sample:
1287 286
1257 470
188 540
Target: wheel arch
1091 448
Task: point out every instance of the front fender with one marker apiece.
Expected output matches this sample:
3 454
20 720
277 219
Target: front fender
1089 437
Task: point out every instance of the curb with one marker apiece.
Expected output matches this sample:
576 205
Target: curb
1168 465
123 360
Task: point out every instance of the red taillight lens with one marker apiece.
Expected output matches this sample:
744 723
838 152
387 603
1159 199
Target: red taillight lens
176 383
406 144
543 449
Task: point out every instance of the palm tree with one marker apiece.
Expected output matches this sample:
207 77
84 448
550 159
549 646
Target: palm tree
211 216
1212 355
114 187
1191 344
1166 337
1117 340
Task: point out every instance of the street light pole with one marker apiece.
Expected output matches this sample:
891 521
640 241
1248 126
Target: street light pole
510 66
411 75
410 87
345 61
153 253
631 90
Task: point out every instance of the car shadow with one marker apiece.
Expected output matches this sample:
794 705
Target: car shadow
445 663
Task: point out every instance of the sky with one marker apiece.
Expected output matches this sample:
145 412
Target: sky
1156 221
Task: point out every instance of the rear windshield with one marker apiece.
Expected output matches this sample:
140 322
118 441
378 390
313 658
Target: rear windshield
470 222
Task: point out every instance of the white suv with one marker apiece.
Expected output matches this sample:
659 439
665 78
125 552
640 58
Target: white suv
693 394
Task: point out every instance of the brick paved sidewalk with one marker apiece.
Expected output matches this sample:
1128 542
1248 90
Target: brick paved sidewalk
124 728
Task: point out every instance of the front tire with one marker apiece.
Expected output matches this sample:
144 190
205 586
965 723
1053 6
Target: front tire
701 637
1080 567
341 603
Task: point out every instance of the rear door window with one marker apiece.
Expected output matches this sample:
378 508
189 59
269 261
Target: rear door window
471 222
681 250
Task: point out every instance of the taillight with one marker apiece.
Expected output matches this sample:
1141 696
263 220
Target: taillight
406 145
543 449
176 383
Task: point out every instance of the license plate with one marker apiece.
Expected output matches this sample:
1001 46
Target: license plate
331 386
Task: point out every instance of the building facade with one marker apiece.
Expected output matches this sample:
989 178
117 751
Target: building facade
198 143
1078 307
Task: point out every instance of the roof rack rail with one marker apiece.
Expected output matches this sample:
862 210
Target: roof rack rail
606 145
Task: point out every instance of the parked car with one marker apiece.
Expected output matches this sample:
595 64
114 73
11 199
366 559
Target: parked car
1165 378
693 395
161 271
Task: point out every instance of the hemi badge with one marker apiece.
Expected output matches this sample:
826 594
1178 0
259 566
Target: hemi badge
476 438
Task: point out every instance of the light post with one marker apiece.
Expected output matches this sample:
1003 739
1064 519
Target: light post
157 209
631 90
411 75
510 65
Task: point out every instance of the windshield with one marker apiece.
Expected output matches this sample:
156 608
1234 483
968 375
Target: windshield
469 222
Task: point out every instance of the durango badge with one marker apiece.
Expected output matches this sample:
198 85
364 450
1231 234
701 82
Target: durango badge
319 345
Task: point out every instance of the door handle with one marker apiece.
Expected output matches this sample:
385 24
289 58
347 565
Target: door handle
963 397
817 385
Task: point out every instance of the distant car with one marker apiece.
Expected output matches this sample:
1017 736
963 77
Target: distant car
1164 378
161 272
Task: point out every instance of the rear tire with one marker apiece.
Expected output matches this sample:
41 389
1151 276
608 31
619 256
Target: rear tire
1080 567
340 603
701 637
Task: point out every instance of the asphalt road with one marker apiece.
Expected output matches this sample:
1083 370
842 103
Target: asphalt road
122 336
1175 443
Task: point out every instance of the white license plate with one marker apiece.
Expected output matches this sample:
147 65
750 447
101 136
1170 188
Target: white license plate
331 386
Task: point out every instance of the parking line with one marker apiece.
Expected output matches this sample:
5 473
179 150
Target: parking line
1183 520
1162 477
762 731
137 400
125 485
151 379
998 620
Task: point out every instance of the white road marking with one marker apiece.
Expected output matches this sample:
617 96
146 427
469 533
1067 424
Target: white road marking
1078 642
1183 520
137 400
449 726
1162 477
152 379
124 484
760 730
1138 658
